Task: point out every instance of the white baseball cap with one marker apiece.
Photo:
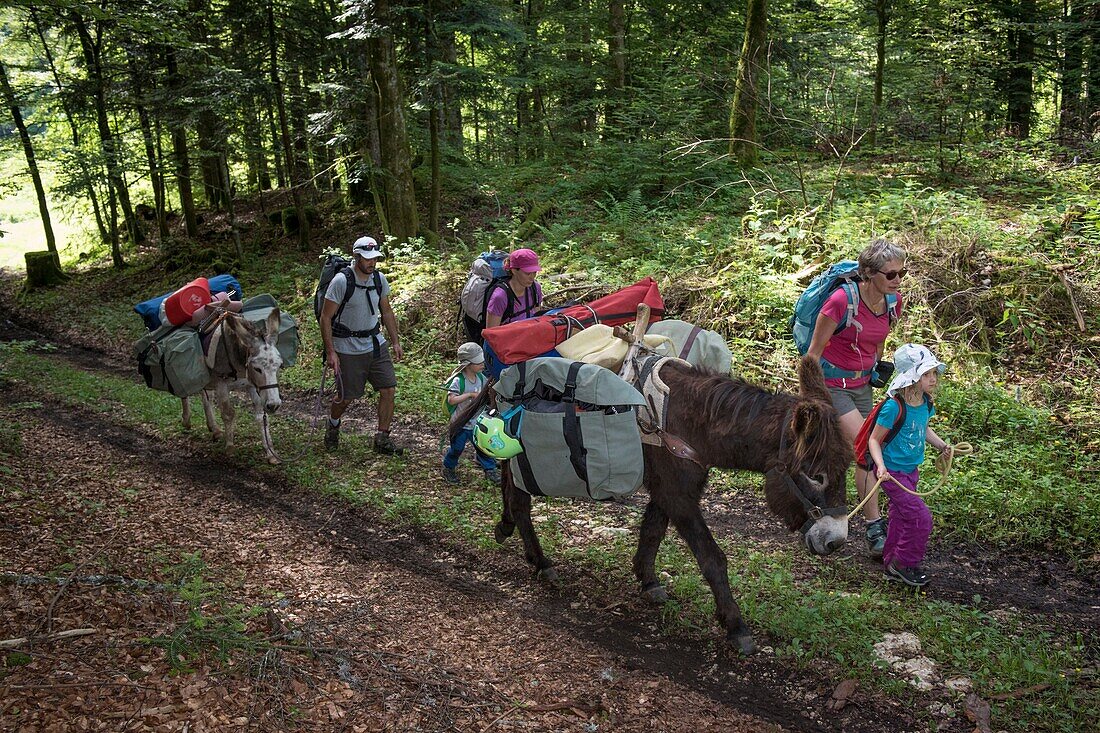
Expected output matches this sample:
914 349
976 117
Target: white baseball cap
367 248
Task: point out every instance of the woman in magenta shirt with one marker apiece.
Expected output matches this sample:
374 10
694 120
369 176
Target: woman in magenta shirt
849 357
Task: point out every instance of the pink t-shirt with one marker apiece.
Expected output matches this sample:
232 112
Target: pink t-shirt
856 347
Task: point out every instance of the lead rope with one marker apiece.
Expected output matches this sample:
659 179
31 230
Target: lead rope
314 419
943 464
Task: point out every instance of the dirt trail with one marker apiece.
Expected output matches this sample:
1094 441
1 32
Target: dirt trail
415 631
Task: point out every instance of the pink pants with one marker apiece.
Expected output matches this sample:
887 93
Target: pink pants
910 523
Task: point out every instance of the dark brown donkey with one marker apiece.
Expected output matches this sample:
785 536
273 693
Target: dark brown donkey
794 440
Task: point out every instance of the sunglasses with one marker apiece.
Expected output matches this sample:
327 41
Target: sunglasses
893 274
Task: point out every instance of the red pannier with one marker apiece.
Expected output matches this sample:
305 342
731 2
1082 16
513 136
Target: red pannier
523 340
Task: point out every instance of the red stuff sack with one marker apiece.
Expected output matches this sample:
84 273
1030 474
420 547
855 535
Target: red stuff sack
182 304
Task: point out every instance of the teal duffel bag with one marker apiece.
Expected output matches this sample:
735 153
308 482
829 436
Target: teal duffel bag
170 359
257 309
578 427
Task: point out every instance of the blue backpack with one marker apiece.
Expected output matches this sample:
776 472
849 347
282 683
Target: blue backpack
843 274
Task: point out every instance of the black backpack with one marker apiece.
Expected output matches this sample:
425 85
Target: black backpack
336 264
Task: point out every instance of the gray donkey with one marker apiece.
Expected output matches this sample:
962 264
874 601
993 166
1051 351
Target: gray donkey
241 357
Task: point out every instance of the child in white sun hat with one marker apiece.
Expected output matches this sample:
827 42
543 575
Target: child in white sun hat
915 380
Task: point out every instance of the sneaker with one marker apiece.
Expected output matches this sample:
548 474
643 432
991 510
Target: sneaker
450 475
332 436
384 444
912 577
493 475
876 538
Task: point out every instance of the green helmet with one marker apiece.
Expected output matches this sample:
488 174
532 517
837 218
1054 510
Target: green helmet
491 438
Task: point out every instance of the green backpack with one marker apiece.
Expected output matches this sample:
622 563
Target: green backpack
447 406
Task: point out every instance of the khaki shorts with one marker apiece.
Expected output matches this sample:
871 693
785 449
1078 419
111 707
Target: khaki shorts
846 400
358 369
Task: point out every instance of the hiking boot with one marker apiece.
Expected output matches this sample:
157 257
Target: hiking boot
332 436
493 475
912 577
450 475
384 444
876 538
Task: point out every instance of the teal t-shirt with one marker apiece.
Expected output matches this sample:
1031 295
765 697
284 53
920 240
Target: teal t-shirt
905 453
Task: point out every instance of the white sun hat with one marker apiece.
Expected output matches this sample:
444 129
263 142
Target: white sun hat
911 362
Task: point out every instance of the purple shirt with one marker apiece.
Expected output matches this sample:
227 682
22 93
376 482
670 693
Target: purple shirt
524 307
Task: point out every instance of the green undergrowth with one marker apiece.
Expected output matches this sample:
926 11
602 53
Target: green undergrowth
810 610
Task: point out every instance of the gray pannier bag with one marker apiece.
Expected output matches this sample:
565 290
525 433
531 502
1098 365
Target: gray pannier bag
257 309
578 427
696 345
170 359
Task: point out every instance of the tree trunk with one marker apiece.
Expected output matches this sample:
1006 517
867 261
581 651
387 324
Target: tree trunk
371 145
1070 114
180 152
434 113
616 81
276 147
93 59
1092 86
743 141
284 126
1020 85
43 270
156 178
396 160
28 151
299 130
473 104
882 10
452 103
211 150
86 173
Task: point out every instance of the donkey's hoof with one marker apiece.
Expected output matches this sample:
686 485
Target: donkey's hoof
273 460
744 644
656 594
548 575
216 436
503 531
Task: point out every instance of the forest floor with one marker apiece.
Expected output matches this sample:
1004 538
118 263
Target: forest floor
369 624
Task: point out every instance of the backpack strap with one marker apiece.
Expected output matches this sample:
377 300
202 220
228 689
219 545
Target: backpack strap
339 330
571 426
899 421
851 291
892 308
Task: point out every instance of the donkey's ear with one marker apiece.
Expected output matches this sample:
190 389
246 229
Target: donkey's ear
807 419
272 326
811 380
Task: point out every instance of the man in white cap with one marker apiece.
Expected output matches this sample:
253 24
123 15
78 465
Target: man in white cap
355 348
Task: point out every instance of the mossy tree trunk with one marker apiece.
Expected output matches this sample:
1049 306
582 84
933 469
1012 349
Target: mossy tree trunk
743 142
32 163
392 135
